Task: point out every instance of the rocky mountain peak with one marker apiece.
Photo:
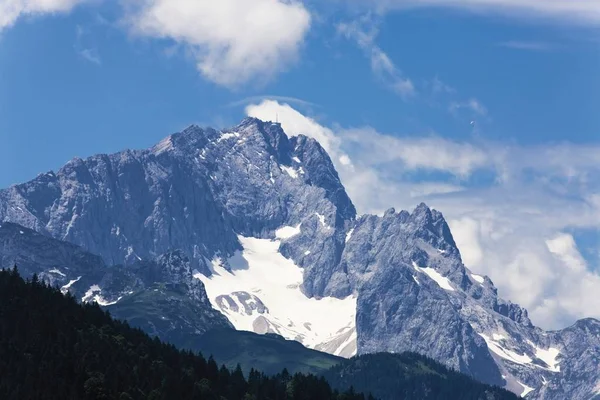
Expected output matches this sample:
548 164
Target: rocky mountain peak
432 225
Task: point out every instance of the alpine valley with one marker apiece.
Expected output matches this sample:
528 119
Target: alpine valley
250 229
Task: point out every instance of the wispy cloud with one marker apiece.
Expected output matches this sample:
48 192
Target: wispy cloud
427 153
438 86
587 11
90 55
517 227
527 45
87 53
473 105
364 32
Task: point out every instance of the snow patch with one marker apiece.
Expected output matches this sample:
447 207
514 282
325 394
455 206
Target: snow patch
349 234
478 278
65 288
260 272
307 252
549 356
497 337
290 171
442 281
100 300
93 293
56 271
296 159
70 225
226 136
322 220
90 292
287 232
526 389
416 280
507 354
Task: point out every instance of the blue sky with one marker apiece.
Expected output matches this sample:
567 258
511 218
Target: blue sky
486 109
56 103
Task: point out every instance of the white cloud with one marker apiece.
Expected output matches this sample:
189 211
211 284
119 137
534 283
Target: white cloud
345 160
579 10
415 153
419 190
364 32
232 41
513 228
12 10
294 123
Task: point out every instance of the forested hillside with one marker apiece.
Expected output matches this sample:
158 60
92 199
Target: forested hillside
410 376
51 347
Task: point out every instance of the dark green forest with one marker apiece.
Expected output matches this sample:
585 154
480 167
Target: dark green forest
410 376
51 347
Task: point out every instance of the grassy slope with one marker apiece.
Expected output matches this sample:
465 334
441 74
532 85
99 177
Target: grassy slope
269 353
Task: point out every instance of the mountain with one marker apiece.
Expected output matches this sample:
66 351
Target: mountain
275 242
409 376
51 347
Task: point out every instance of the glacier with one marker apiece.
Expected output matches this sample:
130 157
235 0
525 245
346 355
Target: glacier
258 289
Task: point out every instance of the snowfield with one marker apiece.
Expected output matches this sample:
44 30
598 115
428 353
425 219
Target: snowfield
258 290
287 232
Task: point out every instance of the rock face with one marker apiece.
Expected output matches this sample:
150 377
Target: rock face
263 223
